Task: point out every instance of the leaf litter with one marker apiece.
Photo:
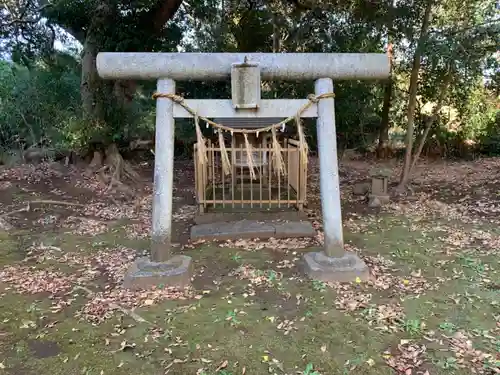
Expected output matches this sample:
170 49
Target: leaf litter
63 287
424 206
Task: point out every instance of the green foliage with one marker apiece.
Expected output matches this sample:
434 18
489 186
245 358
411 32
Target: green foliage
28 114
461 42
490 139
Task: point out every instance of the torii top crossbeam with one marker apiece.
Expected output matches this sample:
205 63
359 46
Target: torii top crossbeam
217 66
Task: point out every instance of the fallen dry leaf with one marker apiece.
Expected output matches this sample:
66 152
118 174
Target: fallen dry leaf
222 365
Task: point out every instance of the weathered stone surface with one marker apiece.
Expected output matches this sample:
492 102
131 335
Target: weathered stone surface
218 217
348 268
176 272
374 202
294 229
217 66
244 229
361 188
378 200
378 186
381 172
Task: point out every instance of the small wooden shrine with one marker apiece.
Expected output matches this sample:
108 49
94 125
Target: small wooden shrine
254 180
248 162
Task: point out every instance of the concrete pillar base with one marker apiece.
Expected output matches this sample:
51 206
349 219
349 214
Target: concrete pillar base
144 273
319 266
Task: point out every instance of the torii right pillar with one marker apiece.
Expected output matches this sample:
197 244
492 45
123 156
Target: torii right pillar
332 264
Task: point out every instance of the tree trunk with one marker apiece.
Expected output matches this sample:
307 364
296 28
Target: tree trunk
94 90
383 137
430 121
412 99
276 48
92 87
99 96
92 107
123 92
276 34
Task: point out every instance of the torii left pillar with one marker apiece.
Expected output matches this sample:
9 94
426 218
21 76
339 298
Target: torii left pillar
162 267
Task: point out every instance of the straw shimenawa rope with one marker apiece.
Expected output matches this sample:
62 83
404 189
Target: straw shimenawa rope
249 152
202 147
226 164
277 156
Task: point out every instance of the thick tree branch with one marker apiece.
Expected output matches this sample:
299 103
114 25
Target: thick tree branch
412 99
77 34
22 20
431 119
161 13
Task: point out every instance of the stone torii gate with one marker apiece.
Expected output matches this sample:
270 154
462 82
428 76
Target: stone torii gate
330 264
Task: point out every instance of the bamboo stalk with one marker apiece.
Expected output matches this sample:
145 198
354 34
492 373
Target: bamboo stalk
241 176
270 161
260 175
287 166
279 189
299 183
233 170
223 185
251 192
196 178
204 172
212 166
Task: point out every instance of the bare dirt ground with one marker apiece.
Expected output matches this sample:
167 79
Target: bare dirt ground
431 307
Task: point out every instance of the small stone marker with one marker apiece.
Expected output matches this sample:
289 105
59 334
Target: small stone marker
379 190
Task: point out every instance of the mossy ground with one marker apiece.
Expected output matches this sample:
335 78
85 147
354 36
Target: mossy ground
234 323
271 319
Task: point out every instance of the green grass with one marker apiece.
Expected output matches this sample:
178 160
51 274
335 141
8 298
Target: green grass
288 324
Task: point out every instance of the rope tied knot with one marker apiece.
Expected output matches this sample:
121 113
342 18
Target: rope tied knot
316 98
175 98
313 98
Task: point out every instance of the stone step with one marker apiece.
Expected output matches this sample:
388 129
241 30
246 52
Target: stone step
246 229
255 214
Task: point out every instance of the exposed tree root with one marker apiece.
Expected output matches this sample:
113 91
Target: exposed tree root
29 204
404 190
114 172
